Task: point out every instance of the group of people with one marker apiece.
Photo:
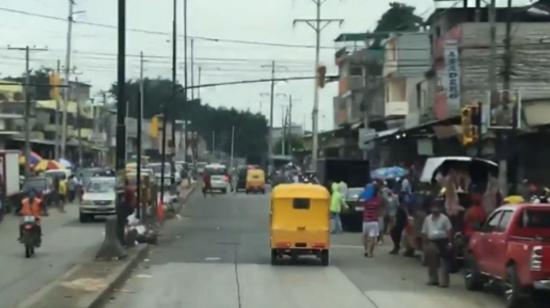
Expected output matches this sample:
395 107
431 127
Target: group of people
392 208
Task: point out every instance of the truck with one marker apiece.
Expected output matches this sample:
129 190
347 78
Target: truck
356 174
511 249
9 173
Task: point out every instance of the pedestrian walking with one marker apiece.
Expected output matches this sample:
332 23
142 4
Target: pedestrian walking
437 234
71 187
371 209
337 202
206 185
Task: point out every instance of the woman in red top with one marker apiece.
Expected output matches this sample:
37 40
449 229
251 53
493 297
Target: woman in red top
371 229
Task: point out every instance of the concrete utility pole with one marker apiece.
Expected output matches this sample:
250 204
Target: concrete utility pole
232 146
290 123
199 89
185 75
27 50
509 152
141 84
57 126
317 25
67 92
271 105
192 68
283 127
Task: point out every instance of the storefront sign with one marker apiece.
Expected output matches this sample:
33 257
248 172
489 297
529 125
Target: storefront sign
452 75
505 110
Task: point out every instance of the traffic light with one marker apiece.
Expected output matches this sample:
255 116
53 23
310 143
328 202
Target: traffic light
321 75
471 123
154 127
55 82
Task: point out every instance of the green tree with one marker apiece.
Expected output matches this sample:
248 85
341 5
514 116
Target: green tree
399 17
250 129
296 144
40 78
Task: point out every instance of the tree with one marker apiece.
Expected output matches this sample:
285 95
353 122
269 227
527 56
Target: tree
399 17
38 77
250 129
296 144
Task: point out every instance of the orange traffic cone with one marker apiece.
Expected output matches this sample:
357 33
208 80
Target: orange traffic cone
160 209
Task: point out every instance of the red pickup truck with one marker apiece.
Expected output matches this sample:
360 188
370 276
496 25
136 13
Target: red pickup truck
512 248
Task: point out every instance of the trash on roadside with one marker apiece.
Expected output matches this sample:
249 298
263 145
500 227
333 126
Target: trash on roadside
85 284
144 276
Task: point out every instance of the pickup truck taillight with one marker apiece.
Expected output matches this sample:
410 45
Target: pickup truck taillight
536 259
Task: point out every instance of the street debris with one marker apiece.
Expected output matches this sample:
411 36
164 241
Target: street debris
85 284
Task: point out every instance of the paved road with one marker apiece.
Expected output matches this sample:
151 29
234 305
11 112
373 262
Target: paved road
65 242
217 256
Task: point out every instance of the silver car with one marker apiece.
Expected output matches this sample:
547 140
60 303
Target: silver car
98 198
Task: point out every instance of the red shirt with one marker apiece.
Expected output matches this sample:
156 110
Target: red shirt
370 209
475 215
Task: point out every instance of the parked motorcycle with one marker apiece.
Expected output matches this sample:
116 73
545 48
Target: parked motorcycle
30 235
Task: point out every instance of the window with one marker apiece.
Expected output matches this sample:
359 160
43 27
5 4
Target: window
492 222
356 71
535 219
300 204
506 217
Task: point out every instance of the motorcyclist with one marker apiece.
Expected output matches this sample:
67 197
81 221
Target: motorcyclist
30 206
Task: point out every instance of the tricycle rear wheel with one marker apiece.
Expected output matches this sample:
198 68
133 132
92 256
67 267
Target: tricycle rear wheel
325 257
274 257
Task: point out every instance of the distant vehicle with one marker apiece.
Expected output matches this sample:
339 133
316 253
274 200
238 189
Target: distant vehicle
352 218
62 174
87 173
40 185
98 198
255 181
219 179
511 248
200 167
157 169
241 178
356 173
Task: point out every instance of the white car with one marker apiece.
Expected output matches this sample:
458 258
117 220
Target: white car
98 198
219 180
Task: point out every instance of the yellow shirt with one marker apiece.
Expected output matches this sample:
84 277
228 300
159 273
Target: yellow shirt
63 187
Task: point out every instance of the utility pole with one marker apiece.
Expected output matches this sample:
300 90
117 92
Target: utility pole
199 89
79 132
57 126
508 152
141 85
67 92
317 25
185 75
271 103
290 123
214 144
232 147
192 68
283 132
27 94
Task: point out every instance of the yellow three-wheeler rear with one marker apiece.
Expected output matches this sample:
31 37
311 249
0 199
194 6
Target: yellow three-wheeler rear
300 222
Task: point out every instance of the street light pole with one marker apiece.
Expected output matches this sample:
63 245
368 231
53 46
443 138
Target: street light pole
317 25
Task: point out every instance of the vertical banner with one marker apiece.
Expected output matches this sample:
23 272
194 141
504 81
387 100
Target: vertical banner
452 76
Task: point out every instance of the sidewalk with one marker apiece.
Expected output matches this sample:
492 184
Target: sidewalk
64 243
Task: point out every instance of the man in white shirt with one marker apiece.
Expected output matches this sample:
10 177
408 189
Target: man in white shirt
437 234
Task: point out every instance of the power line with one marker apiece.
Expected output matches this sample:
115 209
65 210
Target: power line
154 32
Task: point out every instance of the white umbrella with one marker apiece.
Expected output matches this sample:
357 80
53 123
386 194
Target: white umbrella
67 164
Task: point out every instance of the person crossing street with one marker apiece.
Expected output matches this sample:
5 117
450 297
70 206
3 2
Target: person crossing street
437 234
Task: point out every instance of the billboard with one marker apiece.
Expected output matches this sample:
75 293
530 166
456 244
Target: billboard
505 110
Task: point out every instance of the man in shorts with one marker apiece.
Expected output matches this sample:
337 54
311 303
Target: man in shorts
371 229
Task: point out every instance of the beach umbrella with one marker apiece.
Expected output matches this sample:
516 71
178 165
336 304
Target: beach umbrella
34 158
45 164
67 164
389 173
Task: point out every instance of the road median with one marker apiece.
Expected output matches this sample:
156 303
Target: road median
88 284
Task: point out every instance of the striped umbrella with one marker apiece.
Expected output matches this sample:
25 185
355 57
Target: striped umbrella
34 158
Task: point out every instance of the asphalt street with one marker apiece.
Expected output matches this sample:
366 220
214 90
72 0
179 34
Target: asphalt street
66 242
217 255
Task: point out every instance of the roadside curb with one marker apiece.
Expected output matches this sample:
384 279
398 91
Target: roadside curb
107 275
119 278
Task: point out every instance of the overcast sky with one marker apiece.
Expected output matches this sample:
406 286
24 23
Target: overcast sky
251 20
